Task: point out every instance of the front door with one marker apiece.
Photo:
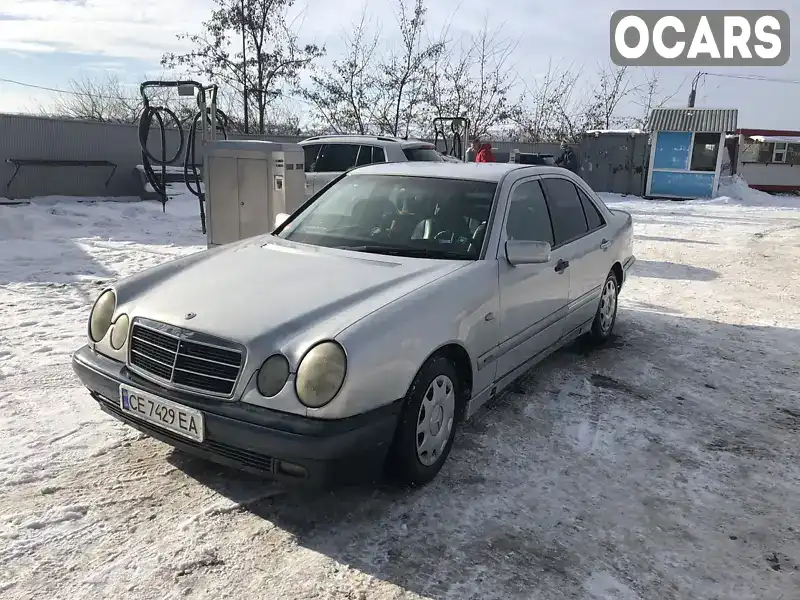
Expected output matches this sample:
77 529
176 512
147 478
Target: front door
533 298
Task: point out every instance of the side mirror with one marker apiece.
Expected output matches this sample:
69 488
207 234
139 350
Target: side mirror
280 219
527 253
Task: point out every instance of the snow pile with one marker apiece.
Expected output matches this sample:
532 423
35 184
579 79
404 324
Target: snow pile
735 190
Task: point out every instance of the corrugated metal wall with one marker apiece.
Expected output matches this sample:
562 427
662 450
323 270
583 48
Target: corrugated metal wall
43 138
615 162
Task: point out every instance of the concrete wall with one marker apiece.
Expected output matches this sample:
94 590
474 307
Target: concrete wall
771 176
604 159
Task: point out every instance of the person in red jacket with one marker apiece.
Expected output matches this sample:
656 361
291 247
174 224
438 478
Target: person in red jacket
483 152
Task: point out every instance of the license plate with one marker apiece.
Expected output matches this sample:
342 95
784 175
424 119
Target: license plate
164 413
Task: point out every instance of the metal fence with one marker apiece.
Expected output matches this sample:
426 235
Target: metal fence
26 137
615 161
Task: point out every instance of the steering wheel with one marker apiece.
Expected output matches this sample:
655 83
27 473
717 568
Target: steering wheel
445 233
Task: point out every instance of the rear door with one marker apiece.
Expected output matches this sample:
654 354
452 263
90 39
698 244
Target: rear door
368 155
598 239
577 246
533 298
333 160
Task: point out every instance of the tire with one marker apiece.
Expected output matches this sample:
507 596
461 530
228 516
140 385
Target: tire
427 425
606 316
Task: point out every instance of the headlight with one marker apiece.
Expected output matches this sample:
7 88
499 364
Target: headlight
321 374
100 317
119 332
272 375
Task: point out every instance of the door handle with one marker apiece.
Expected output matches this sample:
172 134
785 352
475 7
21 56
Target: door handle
561 266
605 245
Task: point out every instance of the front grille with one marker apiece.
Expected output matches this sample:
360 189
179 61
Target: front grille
182 362
247 458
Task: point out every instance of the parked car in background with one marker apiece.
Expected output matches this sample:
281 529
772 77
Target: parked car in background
357 335
329 156
535 158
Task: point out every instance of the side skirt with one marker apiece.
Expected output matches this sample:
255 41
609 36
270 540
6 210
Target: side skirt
496 389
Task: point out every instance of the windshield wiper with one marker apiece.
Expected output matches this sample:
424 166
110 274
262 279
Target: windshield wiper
410 252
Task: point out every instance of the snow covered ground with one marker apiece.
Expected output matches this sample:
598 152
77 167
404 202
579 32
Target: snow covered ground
662 466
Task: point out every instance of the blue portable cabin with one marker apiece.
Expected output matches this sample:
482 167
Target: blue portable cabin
686 150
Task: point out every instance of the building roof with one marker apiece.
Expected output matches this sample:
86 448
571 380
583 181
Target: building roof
708 120
490 172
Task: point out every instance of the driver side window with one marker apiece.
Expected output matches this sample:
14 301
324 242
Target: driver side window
528 217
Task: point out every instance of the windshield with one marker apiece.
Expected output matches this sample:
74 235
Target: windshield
423 154
424 217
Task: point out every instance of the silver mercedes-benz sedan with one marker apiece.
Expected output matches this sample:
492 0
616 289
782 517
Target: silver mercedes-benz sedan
354 338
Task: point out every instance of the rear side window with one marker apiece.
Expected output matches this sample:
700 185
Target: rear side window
368 155
566 211
337 158
424 154
593 217
311 152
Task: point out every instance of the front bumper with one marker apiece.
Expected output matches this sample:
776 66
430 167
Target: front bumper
279 445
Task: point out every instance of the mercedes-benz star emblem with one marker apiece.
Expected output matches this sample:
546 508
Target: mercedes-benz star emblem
189 316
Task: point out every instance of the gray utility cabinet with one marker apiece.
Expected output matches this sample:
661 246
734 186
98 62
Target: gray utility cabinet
248 183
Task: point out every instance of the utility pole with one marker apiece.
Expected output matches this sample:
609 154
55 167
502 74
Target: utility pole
244 71
693 93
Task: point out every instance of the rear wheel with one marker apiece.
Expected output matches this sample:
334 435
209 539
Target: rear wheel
427 424
606 315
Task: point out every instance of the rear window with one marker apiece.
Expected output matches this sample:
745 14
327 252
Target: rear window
424 154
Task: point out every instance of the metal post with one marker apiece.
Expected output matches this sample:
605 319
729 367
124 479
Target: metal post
213 111
693 92
203 115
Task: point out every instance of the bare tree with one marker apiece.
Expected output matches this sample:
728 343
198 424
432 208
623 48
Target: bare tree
549 108
343 95
614 85
650 95
403 77
474 78
104 99
271 57
564 104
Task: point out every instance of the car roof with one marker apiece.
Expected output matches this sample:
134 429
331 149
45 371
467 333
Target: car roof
490 172
365 139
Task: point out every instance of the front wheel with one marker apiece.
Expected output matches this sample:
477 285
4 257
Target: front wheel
427 424
606 315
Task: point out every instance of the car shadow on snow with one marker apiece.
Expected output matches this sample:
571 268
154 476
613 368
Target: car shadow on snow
655 238
53 262
659 269
596 466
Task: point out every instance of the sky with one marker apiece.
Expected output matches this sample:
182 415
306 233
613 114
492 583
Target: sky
49 42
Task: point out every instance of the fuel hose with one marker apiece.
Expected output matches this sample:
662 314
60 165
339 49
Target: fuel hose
164 117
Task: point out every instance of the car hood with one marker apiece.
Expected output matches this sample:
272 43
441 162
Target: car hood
269 286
